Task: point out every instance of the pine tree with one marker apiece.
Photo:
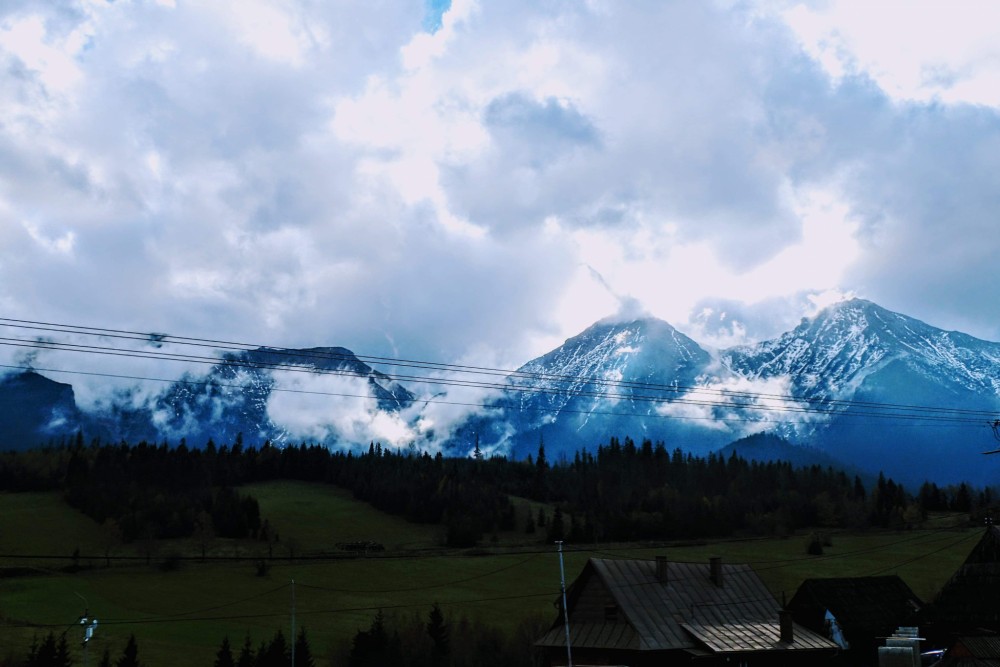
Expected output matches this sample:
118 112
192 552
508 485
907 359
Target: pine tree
438 632
246 658
224 658
276 654
557 530
540 489
303 654
374 647
62 653
130 656
50 653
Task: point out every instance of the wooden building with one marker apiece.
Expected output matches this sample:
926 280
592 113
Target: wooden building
864 609
639 613
973 652
969 602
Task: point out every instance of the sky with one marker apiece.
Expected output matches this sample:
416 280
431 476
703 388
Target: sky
475 182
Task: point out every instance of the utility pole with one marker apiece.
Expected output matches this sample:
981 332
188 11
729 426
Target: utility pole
565 609
89 625
995 425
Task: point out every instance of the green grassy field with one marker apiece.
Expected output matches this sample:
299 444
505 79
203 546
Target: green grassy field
187 611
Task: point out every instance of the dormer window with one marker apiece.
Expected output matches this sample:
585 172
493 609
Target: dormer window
611 612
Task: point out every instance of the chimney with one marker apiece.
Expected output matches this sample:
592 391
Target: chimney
786 627
661 569
715 570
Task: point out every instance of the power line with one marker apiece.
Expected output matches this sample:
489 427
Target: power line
788 404
427 586
505 373
335 610
159 339
655 415
189 616
964 538
221 606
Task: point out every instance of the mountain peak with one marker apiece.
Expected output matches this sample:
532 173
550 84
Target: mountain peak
645 322
854 309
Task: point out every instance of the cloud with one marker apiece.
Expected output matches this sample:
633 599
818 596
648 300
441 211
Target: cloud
922 51
438 180
722 323
926 213
743 406
324 408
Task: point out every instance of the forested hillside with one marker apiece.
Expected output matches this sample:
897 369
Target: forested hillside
625 491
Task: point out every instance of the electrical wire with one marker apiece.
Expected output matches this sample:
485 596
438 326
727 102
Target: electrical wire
160 339
427 586
507 374
302 612
896 566
184 617
437 401
220 606
789 404
189 616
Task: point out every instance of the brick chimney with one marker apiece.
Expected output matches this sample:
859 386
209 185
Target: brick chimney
715 570
661 569
786 627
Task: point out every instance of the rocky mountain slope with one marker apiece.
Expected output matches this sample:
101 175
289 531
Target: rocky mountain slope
870 387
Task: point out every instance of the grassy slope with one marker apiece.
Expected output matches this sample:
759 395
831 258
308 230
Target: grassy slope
181 612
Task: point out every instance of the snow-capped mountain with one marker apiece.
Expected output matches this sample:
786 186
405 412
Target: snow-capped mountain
860 352
853 382
238 395
612 379
833 354
35 409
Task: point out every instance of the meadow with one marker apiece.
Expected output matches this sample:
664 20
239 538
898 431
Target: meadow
180 604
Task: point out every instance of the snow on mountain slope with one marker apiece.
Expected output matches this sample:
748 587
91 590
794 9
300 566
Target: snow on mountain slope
612 379
640 378
248 392
860 352
592 367
832 354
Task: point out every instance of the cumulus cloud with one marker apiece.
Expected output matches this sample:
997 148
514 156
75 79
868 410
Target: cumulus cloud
922 50
436 181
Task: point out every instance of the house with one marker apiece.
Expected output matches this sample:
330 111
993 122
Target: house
640 612
973 652
855 612
967 603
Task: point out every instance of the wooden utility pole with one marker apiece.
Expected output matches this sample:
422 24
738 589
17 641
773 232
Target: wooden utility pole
995 425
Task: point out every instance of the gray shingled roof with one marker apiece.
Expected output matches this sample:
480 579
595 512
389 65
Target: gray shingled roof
689 612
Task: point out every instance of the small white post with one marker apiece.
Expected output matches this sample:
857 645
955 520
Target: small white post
562 582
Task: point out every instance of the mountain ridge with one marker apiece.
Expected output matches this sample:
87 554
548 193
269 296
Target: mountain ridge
640 377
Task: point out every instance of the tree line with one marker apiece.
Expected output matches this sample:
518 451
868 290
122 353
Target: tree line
401 640
622 491
54 652
413 640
